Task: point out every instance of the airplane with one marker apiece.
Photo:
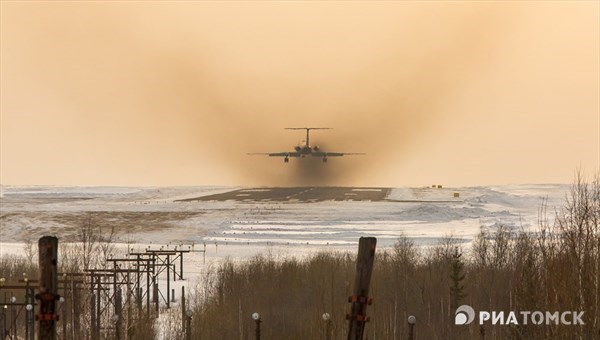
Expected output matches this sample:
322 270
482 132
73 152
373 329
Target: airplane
306 149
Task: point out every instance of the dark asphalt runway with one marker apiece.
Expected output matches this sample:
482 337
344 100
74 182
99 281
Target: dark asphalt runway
299 194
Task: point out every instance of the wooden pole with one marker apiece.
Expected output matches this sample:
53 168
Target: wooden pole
138 285
13 317
48 262
3 334
257 329
181 265
360 299
75 311
64 310
93 314
168 281
183 312
118 313
128 300
156 298
148 288
412 321
29 314
188 332
98 307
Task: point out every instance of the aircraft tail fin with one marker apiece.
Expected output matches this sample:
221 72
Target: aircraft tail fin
308 131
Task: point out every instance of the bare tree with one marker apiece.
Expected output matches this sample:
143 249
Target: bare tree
106 246
578 223
29 249
87 235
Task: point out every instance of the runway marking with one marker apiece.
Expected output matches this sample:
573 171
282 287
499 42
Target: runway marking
299 193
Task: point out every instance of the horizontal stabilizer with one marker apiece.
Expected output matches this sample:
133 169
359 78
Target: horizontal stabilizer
307 128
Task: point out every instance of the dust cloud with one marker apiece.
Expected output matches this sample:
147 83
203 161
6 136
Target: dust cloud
156 93
376 91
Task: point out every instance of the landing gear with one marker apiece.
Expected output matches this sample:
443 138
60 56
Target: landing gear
286 160
324 159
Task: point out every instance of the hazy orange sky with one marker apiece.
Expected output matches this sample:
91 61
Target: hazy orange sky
176 93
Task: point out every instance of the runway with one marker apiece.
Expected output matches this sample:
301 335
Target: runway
299 194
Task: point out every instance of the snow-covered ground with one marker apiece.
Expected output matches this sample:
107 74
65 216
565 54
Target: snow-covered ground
153 215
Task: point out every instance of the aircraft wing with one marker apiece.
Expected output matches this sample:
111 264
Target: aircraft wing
277 154
335 154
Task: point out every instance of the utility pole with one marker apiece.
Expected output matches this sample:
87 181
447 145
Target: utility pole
168 281
93 314
64 307
13 317
138 284
148 287
48 262
186 315
181 266
29 313
412 320
183 312
156 299
98 306
3 322
118 313
76 311
327 318
256 318
364 268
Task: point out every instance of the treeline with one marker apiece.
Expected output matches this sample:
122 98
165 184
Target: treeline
554 269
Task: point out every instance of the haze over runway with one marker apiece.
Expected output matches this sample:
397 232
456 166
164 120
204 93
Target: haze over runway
177 93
